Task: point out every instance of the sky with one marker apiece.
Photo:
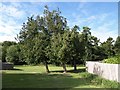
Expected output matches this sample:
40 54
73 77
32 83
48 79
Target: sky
101 17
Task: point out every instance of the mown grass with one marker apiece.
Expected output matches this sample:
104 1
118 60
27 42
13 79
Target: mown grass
35 77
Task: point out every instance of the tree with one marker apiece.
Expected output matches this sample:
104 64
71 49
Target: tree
26 38
40 50
56 24
75 46
117 45
95 48
5 45
13 54
86 37
108 47
59 49
36 33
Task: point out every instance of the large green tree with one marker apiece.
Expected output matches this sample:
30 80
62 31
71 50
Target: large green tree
36 33
117 45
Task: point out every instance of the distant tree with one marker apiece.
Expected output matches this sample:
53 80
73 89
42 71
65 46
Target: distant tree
13 54
117 45
95 48
5 45
86 36
108 47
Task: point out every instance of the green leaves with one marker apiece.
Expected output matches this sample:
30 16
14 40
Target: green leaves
108 47
117 45
113 60
14 54
5 46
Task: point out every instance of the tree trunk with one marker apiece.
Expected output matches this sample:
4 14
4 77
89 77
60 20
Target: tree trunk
46 66
64 67
75 67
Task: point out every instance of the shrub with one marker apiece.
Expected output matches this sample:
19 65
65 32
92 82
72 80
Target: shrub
13 55
113 60
110 84
86 75
97 80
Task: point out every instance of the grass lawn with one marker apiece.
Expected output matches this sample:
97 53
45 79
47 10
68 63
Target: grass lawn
35 77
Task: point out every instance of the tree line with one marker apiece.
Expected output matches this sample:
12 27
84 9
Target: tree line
48 39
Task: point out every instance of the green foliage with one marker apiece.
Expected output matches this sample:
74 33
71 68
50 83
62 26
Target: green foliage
108 47
97 80
110 84
5 45
117 45
0 51
113 60
86 75
13 54
36 34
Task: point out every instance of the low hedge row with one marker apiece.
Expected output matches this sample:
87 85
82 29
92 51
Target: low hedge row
112 60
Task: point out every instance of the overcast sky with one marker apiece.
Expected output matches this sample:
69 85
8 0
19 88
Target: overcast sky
102 17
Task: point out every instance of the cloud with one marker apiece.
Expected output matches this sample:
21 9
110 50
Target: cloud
104 31
101 26
9 24
8 30
83 8
11 10
12 15
81 21
6 38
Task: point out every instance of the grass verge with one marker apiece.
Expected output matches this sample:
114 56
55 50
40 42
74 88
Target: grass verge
35 77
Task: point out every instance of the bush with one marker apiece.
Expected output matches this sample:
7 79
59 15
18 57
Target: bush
112 60
13 55
110 84
86 75
97 80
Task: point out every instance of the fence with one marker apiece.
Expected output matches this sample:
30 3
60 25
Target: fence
108 71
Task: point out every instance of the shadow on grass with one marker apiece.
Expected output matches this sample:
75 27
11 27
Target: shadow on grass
17 69
37 80
14 69
71 71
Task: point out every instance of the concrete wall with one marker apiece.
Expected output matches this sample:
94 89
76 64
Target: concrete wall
108 71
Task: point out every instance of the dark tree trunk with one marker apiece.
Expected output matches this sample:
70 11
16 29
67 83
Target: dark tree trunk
74 64
46 66
64 67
